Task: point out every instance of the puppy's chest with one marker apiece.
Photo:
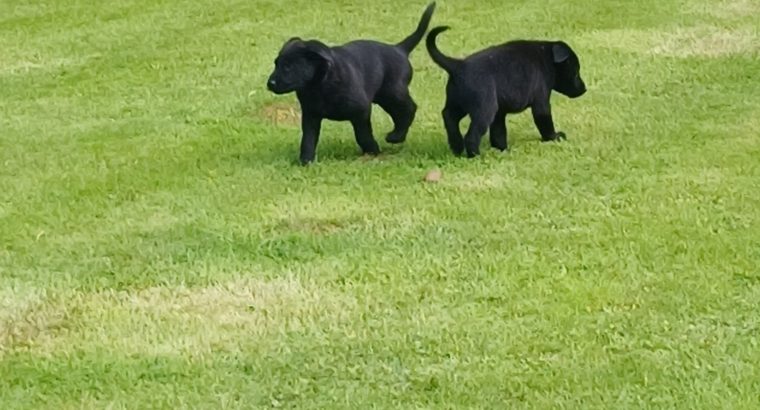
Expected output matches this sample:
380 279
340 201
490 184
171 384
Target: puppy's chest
333 105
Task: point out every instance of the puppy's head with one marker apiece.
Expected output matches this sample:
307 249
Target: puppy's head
568 71
299 64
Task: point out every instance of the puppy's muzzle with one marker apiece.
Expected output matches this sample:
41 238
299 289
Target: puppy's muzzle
278 87
580 89
272 84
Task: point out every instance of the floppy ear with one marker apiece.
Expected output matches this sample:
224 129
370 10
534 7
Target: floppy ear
560 52
320 51
290 43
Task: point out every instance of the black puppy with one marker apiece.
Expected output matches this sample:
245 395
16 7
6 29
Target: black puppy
503 79
341 83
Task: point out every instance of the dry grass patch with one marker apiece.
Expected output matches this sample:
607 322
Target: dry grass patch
703 41
281 113
315 215
708 42
131 218
25 316
726 9
43 63
192 321
478 182
706 178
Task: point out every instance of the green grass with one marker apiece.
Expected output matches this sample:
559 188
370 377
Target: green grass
160 248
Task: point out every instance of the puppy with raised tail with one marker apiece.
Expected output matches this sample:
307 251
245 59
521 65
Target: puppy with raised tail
341 84
501 80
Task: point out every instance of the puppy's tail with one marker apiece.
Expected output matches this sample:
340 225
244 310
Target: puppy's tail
408 44
451 65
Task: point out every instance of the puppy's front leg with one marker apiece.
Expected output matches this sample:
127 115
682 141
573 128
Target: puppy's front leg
363 133
542 117
310 125
498 134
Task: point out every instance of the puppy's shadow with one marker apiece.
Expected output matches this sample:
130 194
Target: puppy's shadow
272 143
284 149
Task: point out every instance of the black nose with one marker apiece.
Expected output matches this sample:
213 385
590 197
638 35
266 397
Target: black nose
271 83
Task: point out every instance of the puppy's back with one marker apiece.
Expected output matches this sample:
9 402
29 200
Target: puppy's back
380 63
524 51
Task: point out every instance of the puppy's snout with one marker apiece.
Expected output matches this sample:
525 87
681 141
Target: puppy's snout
580 88
271 84
583 88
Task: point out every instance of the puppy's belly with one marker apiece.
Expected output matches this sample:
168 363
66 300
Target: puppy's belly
512 105
341 115
337 101
513 109
338 110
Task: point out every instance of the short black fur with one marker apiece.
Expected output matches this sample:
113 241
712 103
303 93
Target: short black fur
501 80
341 83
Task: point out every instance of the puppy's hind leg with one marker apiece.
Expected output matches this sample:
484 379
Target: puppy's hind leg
498 132
451 118
363 133
480 120
402 109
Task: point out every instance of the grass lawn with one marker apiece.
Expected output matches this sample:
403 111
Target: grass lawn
161 248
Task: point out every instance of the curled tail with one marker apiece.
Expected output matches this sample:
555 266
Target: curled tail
408 44
449 64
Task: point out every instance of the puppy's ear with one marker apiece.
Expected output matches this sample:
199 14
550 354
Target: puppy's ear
560 52
320 51
293 42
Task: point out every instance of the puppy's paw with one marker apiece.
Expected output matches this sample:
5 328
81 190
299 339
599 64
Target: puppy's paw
373 151
370 157
558 136
305 161
457 149
395 138
371 147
